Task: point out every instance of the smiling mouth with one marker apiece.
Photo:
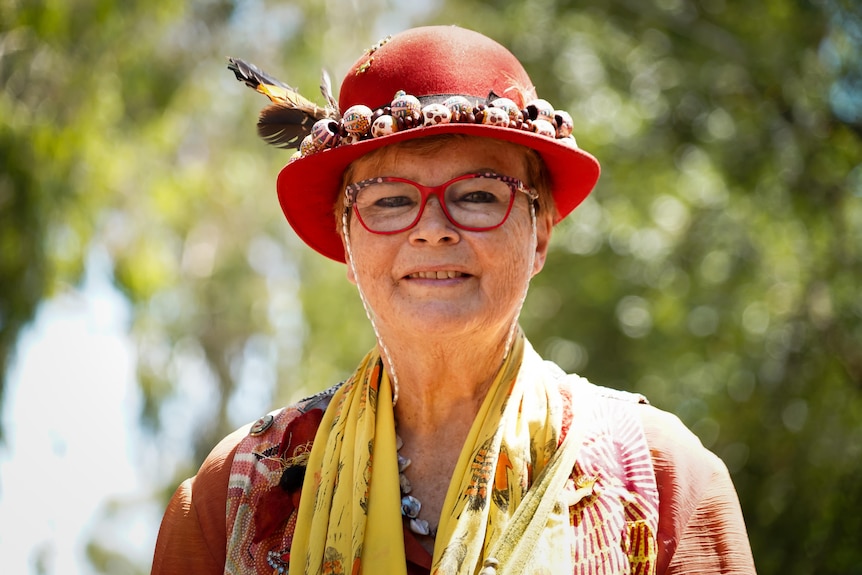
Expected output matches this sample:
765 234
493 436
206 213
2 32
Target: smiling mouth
441 275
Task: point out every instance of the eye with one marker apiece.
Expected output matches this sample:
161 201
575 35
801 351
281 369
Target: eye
392 202
479 197
479 192
385 195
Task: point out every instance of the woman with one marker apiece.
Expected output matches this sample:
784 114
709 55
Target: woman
453 448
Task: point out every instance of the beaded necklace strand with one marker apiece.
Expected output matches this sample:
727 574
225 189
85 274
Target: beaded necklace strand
410 506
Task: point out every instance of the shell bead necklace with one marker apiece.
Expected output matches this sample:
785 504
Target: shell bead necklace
410 506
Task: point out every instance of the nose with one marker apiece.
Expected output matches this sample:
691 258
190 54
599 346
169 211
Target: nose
434 226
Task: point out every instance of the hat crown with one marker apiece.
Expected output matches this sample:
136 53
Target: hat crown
435 61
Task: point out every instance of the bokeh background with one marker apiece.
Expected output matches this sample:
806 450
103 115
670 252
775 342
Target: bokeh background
152 298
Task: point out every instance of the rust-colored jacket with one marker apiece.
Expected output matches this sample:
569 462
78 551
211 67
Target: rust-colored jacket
701 528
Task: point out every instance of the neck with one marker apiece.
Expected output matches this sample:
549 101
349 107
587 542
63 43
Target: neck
445 381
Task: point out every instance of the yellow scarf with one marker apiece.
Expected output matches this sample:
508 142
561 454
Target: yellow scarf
350 516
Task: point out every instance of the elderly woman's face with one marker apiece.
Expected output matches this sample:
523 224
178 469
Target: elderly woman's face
436 276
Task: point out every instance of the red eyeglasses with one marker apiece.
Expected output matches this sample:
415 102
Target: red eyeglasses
473 202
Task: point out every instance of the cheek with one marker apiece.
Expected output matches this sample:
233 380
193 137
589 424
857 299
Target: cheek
511 261
364 271
371 261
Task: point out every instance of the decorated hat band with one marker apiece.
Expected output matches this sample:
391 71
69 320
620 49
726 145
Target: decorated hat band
406 112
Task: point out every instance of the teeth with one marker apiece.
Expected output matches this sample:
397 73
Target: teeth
442 275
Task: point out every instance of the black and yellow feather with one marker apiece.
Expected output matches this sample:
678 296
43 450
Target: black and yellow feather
289 118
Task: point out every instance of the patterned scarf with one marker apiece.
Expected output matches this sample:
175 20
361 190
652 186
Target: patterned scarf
348 522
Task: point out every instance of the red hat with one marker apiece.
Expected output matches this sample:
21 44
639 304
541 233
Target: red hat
431 64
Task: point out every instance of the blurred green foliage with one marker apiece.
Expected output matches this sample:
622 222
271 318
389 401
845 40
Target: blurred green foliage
716 268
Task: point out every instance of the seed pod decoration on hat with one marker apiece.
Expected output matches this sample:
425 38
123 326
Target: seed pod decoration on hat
563 122
383 126
324 133
458 106
357 119
406 106
290 117
541 110
544 128
496 117
511 108
434 114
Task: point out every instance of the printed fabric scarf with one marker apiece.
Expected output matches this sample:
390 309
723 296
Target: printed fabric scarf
350 517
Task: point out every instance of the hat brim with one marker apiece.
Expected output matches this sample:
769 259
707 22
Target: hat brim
309 186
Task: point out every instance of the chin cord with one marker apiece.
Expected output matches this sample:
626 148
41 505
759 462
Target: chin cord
368 311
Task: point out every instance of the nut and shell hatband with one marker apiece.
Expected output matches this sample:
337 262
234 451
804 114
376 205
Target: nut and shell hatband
407 112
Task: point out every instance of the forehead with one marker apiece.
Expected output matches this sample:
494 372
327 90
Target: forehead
441 158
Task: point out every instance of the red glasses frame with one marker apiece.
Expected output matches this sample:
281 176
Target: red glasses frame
515 185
